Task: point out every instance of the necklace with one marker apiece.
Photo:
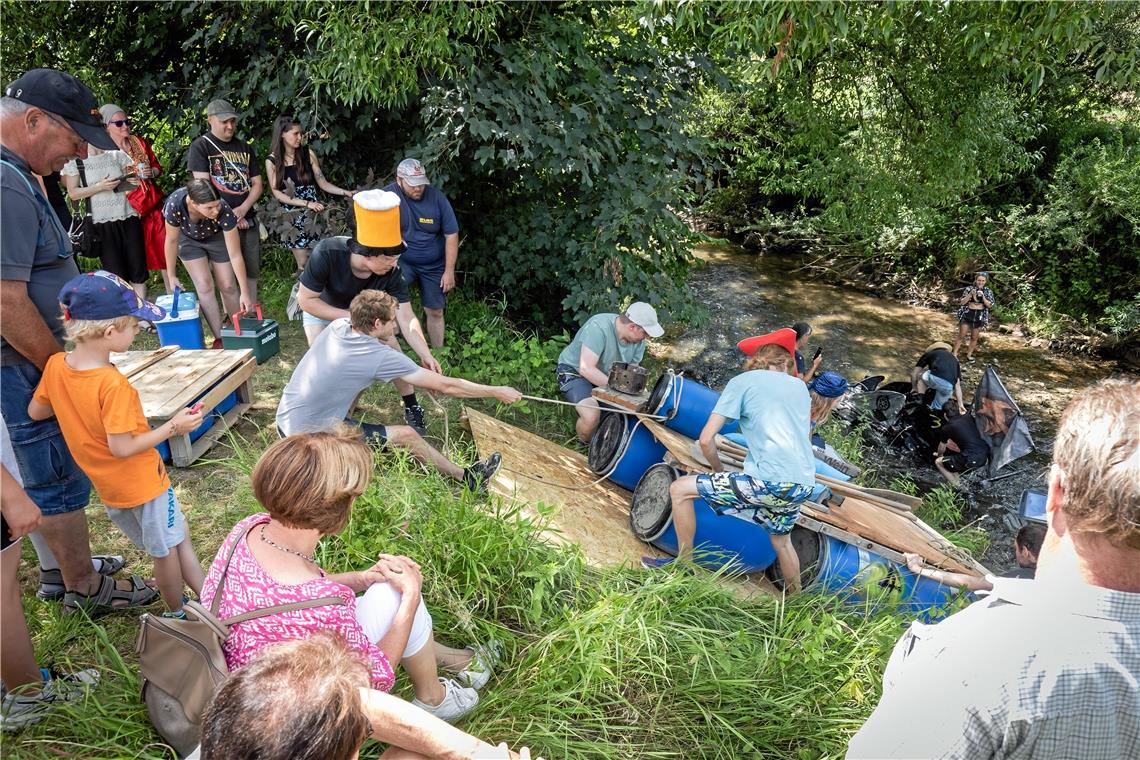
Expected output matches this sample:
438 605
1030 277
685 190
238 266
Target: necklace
286 549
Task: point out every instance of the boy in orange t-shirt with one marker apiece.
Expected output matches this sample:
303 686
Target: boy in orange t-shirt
107 432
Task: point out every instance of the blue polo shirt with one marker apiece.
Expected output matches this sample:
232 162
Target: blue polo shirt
424 223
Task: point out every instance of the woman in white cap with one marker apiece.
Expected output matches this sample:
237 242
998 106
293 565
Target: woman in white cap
103 180
146 199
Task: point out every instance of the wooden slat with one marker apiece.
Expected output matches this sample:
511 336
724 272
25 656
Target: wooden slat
623 400
130 363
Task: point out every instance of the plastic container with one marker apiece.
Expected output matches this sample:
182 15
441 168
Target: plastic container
212 416
720 540
623 450
259 334
687 404
182 326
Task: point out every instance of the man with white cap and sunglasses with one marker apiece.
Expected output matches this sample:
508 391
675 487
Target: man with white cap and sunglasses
432 237
585 363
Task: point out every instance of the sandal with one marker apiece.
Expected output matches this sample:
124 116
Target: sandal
51 581
103 601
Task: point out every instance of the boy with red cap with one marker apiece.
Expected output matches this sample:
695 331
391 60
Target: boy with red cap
774 410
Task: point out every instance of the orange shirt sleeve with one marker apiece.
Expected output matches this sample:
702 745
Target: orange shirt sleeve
121 409
42 395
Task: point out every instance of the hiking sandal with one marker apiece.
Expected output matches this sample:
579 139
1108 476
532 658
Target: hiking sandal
103 601
51 581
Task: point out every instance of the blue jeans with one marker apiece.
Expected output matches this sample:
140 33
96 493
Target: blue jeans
51 477
942 389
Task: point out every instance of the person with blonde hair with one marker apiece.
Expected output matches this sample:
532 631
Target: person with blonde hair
1047 667
774 410
307 485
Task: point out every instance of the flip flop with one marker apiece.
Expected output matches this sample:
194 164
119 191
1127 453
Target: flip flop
102 602
51 581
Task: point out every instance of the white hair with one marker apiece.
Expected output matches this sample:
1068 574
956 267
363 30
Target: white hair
11 106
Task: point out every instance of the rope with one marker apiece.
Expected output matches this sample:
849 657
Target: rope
611 408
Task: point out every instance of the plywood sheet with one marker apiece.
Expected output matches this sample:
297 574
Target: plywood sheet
591 514
858 516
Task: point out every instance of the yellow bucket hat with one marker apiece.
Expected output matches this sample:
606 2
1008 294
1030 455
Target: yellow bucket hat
377 223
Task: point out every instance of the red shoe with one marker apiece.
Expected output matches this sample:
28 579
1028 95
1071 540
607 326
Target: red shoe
217 343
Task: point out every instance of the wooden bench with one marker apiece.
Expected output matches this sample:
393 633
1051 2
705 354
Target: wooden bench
170 379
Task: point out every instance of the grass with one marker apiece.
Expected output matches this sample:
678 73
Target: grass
599 663
942 510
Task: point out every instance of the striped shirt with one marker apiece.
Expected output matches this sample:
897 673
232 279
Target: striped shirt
1033 671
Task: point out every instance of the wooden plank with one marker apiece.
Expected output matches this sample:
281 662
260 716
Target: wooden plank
130 363
623 400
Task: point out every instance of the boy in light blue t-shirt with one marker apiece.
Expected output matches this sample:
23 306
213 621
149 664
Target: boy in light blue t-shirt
774 410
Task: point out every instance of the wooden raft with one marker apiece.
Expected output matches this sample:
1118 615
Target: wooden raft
859 516
170 379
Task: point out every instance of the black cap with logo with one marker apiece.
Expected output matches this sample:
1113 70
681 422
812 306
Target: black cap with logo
66 97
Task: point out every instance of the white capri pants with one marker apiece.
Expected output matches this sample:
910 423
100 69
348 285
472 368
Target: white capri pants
376 609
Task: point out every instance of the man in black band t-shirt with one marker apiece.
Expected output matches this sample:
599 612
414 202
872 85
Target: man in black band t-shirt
960 436
231 167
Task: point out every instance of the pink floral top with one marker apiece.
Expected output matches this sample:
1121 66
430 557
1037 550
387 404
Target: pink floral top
249 587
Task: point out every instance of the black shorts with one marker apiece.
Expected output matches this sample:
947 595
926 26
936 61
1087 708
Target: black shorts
961 463
5 536
122 250
974 317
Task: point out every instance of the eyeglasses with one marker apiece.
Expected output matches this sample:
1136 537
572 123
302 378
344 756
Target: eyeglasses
120 122
79 141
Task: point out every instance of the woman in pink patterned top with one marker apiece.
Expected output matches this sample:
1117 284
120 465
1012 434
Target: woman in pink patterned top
307 484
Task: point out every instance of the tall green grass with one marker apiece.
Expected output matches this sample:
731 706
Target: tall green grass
599 663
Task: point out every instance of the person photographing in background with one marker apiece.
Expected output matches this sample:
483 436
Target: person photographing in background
973 314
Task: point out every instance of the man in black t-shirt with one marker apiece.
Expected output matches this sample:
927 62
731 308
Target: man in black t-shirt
960 436
340 268
230 165
942 373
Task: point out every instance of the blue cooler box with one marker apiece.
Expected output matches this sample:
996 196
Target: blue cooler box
184 330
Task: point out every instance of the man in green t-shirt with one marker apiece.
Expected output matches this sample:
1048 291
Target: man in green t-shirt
586 362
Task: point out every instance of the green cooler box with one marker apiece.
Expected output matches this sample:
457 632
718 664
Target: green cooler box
258 334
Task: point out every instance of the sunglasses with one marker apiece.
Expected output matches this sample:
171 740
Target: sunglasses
120 122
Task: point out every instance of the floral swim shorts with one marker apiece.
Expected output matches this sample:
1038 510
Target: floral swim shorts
774 505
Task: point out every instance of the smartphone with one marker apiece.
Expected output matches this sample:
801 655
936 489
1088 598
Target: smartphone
817 354
125 185
1033 504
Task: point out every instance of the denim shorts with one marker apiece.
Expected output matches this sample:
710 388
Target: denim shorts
573 386
428 276
309 319
156 526
51 477
776 506
942 389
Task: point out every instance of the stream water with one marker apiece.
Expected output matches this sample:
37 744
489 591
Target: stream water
862 334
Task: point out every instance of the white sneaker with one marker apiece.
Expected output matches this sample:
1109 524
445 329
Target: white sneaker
478 671
458 700
22 710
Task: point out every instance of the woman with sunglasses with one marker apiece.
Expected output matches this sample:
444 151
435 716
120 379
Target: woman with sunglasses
99 180
201 230
147 197
294 175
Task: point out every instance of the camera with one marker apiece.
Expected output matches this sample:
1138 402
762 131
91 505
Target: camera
1033 504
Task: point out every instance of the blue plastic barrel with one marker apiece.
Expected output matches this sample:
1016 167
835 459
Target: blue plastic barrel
731 540
686 403
863 577
623 450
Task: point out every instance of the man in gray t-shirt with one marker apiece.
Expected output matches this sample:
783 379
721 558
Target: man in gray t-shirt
350 355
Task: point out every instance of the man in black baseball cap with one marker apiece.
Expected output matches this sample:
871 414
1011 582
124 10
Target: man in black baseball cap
47 118
64 98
